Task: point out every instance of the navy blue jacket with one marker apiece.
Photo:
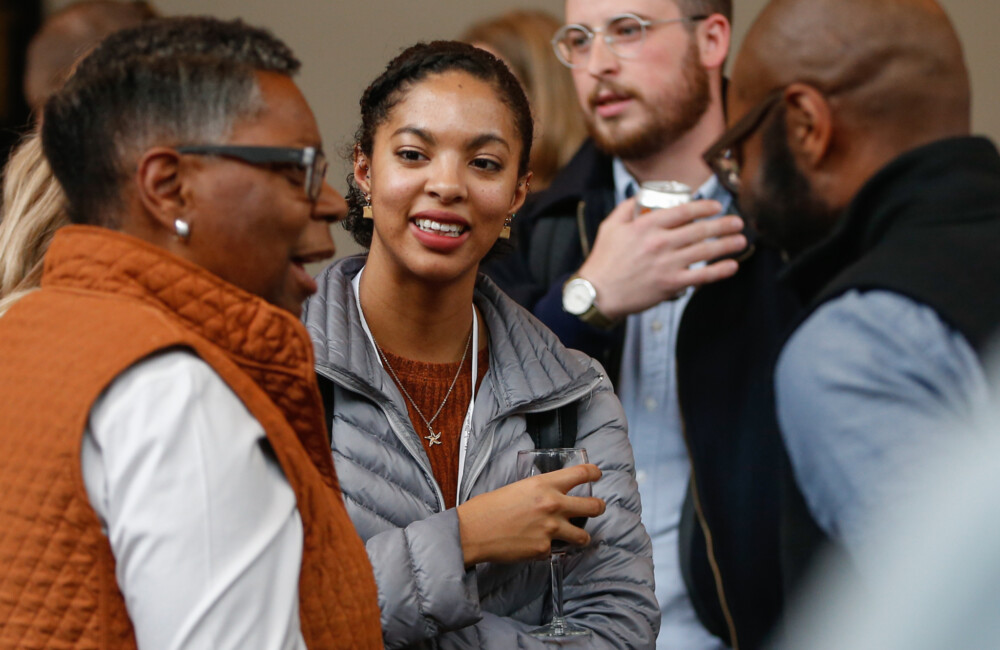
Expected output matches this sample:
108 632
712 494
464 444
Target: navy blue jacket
728 340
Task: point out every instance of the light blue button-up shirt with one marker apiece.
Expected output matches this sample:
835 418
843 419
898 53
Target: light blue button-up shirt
868 390
648 391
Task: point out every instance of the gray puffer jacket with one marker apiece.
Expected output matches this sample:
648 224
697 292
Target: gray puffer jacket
427 597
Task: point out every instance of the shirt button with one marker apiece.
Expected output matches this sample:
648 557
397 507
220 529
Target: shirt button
650 404
640 476
656 326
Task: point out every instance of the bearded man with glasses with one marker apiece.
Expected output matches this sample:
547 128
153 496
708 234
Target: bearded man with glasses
850 145
691 367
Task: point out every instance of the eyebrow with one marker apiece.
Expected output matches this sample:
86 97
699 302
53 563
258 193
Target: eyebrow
475 143
486 138
611 19
420 133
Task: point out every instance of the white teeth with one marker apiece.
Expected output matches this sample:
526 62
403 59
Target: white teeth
447 229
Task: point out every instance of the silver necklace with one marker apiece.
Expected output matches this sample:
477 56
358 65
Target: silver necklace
432 438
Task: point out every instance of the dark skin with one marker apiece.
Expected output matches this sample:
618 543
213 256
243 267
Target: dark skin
864 82
252 226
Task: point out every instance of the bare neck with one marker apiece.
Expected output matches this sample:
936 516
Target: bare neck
415 319
680 160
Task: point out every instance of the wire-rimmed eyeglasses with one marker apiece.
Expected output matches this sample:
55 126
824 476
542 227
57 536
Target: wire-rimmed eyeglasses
310 159
624 35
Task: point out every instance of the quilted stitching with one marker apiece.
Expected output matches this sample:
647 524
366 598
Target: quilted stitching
61 557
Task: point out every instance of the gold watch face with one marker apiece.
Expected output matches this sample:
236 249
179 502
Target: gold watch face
578 296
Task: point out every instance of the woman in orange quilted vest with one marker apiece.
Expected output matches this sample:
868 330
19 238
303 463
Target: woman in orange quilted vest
165 476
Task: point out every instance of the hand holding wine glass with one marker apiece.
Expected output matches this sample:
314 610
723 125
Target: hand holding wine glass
519 521
532 462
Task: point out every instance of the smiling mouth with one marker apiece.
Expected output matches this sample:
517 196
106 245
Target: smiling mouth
439 228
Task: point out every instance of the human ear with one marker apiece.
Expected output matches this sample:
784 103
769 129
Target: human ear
809 124
362 170
713 34
520 192
160 187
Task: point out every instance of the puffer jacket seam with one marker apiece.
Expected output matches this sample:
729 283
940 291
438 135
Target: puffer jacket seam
653 622
501 586
528 605
539 350
590 583
623 549
431 630
618 503
616 470
514 440
384 477
622 642
348 497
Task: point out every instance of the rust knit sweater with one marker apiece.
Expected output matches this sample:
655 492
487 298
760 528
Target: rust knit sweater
107 301
427 384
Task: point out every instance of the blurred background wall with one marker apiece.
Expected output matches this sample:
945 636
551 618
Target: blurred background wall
344 45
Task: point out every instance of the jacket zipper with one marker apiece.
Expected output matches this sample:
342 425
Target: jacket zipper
398 428
535 408
713 563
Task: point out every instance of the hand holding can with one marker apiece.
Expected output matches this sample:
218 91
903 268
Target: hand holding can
655 195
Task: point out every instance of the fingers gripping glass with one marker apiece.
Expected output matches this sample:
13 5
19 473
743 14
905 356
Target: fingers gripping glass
531 462
724 157
310 159
624 35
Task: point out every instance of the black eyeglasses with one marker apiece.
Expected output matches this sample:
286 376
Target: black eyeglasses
310 159
724 157
624 35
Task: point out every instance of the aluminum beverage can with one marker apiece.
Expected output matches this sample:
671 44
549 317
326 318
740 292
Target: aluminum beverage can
654 195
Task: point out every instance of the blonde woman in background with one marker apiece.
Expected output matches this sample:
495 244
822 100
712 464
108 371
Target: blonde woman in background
522 39
33 208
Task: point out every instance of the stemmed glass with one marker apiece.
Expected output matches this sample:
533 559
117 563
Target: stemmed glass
531 462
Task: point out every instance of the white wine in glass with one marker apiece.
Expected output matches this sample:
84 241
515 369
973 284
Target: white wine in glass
531 462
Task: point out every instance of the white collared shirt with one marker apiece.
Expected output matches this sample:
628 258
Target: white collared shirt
202 522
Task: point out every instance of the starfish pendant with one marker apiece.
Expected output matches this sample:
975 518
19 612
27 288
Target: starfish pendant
433 439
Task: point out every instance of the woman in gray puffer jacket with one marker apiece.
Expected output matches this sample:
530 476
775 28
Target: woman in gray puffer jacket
425 448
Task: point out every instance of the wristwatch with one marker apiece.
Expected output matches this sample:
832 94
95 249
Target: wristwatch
579 297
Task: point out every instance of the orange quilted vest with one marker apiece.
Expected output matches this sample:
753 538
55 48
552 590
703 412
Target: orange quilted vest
107 301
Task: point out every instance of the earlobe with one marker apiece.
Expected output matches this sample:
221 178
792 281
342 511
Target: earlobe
809 123
520 192
714 34
160 188
362 170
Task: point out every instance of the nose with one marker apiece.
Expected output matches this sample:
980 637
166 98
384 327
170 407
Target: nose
446 182
601 60
329 208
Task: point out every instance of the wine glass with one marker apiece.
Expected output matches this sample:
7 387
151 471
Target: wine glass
531 462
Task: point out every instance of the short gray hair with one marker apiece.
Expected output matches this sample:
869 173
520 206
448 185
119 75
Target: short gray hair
169 81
